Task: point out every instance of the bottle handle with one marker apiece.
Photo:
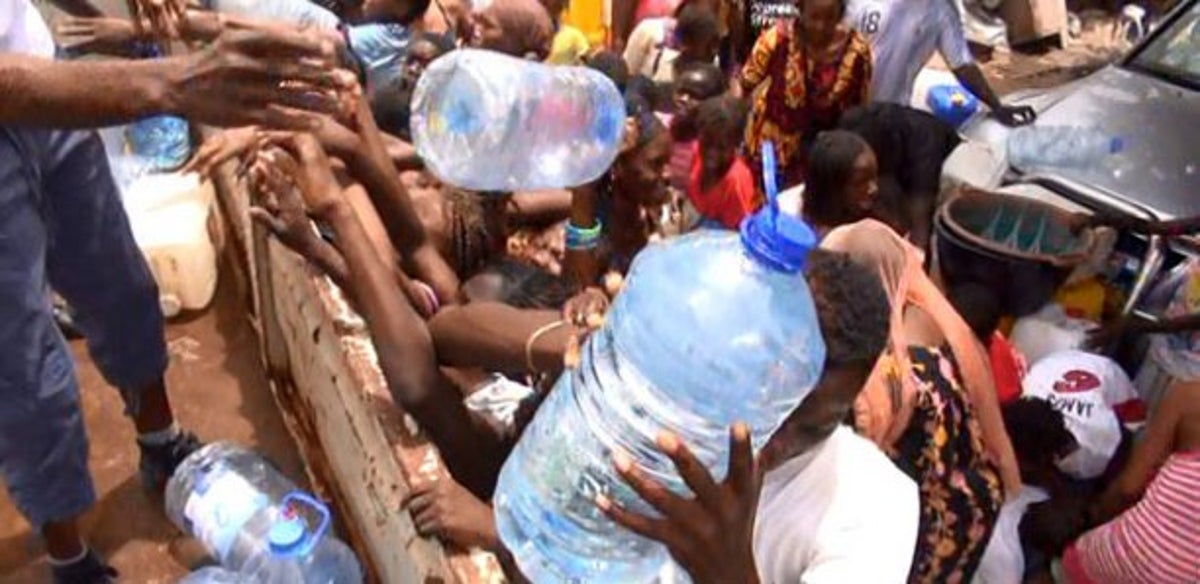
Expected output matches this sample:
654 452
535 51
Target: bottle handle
291 499
770 181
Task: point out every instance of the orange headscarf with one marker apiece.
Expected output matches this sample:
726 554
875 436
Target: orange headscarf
881 413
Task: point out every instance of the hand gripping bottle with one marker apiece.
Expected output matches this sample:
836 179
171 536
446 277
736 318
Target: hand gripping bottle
712 328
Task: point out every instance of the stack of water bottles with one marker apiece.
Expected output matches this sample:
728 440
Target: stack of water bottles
489 122
712 328
253 521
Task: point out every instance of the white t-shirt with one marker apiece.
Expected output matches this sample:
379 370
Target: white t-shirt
1089 390
841 513
904 35
1003 560
22 30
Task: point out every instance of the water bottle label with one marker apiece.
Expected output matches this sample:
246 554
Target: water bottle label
217 514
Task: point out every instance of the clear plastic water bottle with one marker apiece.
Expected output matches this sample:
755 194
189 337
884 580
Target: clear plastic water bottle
711 328
485 121
163 140
248 516
215 575
1061 147
298 555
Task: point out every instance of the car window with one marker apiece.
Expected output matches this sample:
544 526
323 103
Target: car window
1175 54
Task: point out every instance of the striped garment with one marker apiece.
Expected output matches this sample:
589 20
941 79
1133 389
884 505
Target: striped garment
1158 540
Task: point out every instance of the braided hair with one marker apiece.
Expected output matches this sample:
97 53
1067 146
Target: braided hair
472 235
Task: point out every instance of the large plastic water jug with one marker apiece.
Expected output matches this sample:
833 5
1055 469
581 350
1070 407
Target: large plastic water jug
169 215
485 121
1076 147
711 328
251 519
299 555
215 575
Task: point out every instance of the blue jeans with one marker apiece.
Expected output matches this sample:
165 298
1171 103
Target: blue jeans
62 225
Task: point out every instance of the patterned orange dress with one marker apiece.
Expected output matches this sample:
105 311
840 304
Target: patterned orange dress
796 99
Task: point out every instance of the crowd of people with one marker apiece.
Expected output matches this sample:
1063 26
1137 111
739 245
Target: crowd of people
926 452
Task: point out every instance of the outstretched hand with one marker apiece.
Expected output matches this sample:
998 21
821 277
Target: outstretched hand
219 147
100 34
1015 115
159 18
586 309
445 509
280 207
265 78
710 535
302 157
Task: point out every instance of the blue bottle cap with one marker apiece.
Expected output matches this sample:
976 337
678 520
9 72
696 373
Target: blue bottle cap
288 534
1116 145
778 240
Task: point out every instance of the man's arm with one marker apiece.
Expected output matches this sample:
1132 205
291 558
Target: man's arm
402 341
1188 322
972 77
41 92
952 44
499 337
1172 228
245 78
371 165
81 8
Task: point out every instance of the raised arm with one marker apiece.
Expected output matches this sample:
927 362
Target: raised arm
401 339
1148 454
243 78
369 162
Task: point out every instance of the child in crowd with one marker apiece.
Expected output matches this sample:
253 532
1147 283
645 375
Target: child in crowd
721 186
696 82
391 101
1020 545
1097 399
658 47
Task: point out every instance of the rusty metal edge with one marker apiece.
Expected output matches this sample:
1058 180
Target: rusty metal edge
377 527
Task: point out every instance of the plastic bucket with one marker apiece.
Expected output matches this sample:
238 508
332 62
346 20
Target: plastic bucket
1021 248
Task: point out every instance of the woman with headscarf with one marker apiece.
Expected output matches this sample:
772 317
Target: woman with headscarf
521 28
931 405
802 75
613 218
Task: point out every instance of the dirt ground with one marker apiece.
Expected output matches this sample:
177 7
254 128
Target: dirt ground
219 391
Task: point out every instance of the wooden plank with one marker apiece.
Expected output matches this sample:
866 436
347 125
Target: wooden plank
361 450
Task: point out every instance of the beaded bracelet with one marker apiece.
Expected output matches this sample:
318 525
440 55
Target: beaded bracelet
583 238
